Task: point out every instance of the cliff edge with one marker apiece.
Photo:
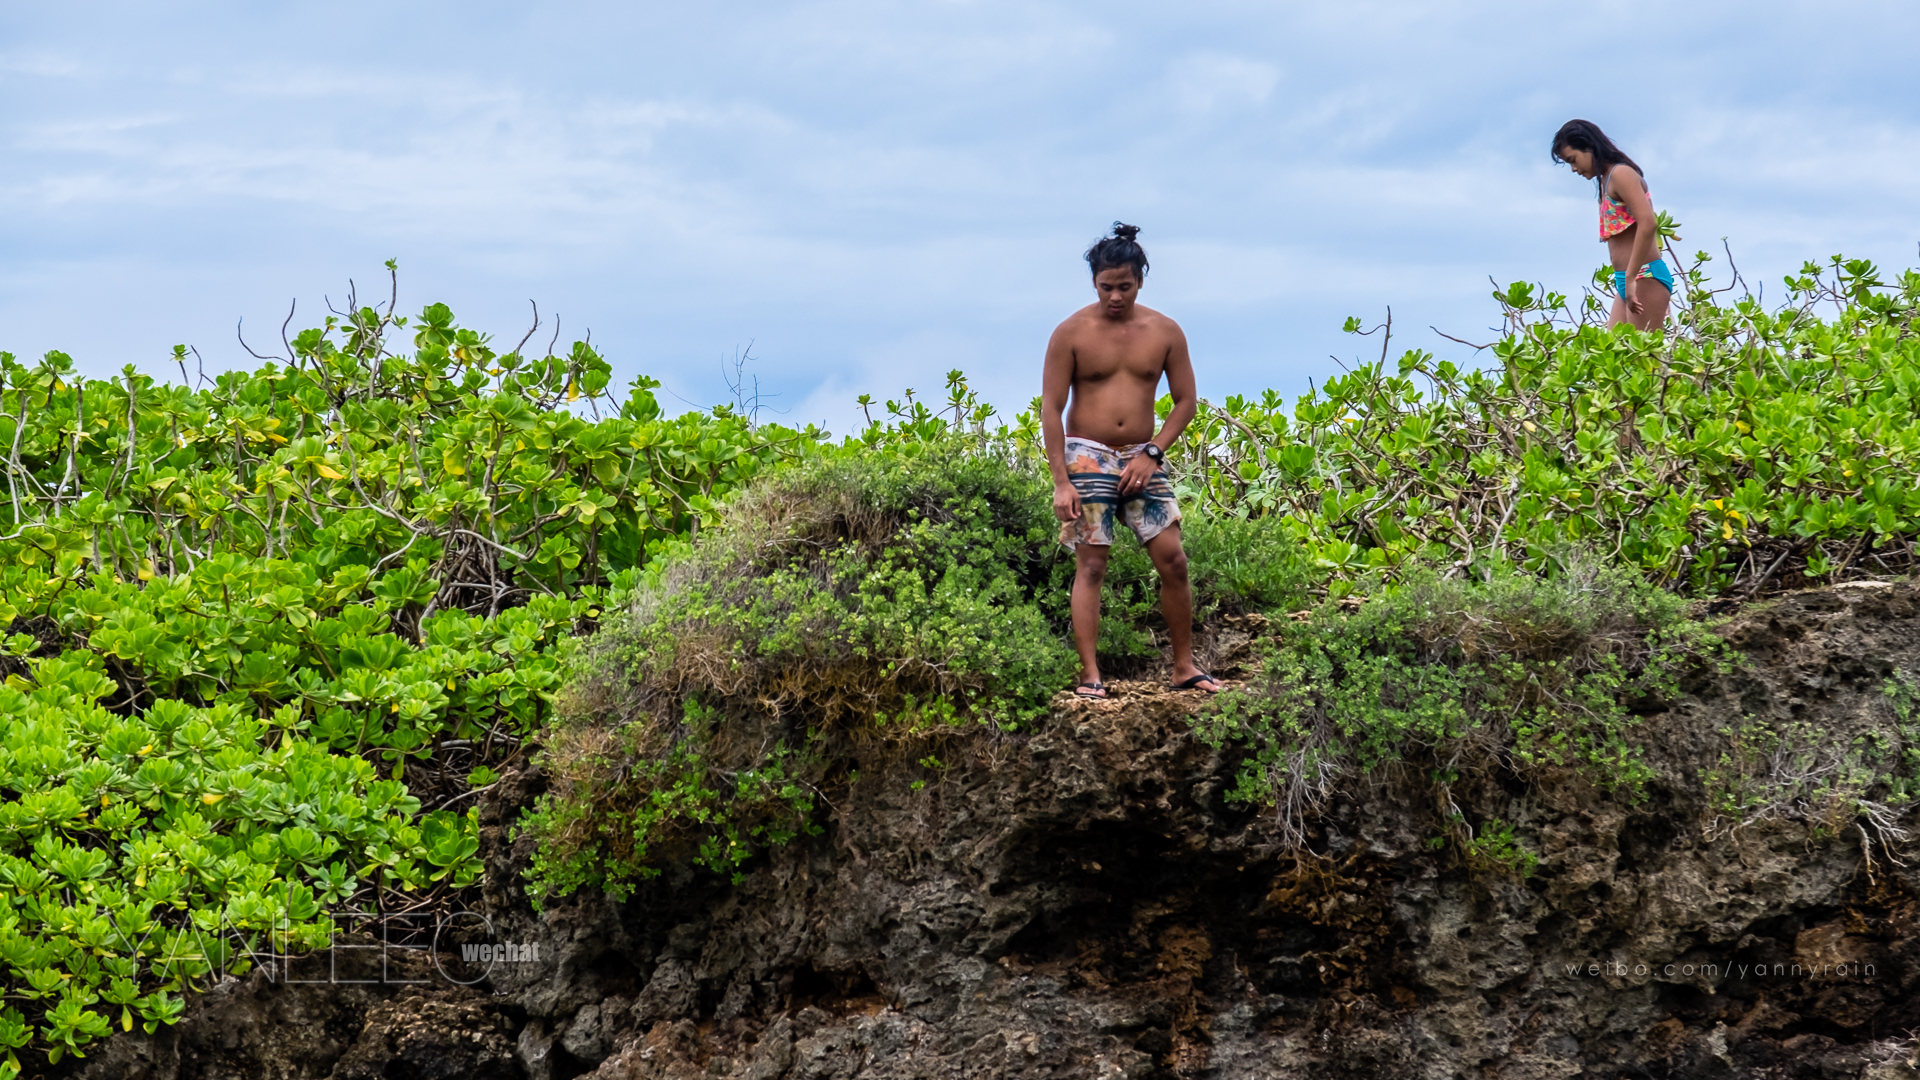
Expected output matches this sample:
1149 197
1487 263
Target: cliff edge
1085 902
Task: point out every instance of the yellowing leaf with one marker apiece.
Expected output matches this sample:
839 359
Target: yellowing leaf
329 472
211 798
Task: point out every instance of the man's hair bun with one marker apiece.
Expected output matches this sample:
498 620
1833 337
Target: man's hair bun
1119 250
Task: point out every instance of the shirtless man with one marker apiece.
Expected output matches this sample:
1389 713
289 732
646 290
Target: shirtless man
1109 356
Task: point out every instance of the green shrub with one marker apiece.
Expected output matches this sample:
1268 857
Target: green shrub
358 567
149 853
1450 675
868 594
904 587
1744 450
247 628
1238 565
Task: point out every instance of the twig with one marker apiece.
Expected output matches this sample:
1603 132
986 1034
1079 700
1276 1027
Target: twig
531 329
471 791
239 331
1462 341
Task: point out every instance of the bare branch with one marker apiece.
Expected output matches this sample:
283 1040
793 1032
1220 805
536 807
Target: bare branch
1462 341
530 330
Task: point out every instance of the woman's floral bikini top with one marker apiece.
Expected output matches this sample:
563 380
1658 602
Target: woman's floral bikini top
1614 218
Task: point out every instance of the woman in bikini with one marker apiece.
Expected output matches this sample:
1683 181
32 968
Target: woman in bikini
1642 284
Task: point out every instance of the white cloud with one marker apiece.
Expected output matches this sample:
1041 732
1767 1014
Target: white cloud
877 190
45 65
1205 81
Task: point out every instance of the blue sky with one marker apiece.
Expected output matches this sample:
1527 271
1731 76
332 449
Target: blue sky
871 193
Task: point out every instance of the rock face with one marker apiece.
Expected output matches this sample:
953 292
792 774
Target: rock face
1085 903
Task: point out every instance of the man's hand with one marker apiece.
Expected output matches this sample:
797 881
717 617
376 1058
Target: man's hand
1066 501
1135 477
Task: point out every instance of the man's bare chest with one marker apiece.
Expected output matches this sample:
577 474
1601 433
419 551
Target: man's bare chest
1133 361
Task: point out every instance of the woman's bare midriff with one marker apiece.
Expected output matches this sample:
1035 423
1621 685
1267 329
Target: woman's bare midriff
1620 246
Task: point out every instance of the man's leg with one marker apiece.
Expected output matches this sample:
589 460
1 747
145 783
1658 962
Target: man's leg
1089 575
1176 602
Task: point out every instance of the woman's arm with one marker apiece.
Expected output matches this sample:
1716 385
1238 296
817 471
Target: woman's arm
1632 192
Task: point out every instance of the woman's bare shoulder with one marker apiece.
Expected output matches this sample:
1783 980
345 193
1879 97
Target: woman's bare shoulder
1623 178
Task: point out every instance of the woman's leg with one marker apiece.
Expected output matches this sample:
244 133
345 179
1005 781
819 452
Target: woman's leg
1619 314
1654 301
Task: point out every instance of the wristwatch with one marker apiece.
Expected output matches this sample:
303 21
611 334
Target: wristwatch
1154 453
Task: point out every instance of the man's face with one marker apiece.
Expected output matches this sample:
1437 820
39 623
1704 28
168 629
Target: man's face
1118 289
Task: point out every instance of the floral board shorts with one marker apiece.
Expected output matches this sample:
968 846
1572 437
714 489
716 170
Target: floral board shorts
1094 468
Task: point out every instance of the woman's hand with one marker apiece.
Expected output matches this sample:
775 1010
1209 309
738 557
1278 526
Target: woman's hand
1626 184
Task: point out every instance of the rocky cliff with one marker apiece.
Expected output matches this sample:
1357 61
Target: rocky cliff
1084 902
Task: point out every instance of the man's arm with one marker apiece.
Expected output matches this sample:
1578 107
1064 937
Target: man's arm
1180 384
1056 382
1179 371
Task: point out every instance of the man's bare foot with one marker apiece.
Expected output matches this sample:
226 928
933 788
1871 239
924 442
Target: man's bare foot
1195 679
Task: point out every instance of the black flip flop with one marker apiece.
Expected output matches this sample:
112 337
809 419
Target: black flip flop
1101 696
1194 683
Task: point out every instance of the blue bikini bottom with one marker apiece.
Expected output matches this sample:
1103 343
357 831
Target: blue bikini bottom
1657 270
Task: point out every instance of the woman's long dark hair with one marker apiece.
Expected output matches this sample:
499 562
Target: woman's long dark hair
1586 135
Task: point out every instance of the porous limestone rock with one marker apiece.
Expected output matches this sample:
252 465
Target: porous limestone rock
1083 902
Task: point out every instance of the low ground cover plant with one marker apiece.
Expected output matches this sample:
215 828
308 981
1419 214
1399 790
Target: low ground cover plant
1442 678
1863 779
